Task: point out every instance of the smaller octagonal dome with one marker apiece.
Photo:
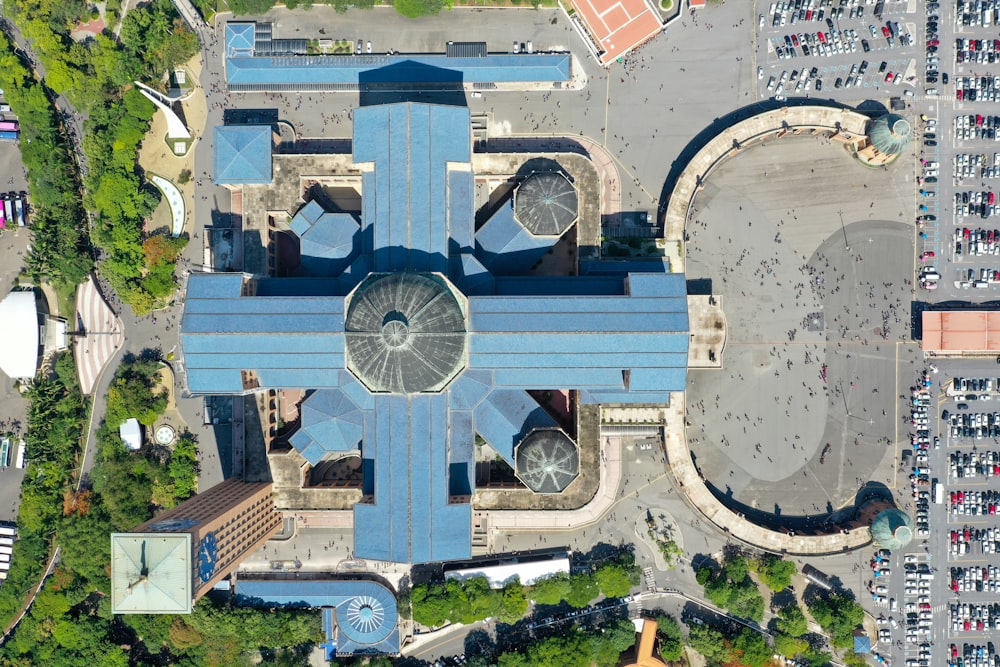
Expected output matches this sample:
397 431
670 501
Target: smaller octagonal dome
546 204
890 133
547 461
892 529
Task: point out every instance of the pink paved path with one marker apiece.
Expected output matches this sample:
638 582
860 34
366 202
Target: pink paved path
103 335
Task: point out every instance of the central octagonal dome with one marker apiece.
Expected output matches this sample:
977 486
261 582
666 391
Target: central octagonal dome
405 333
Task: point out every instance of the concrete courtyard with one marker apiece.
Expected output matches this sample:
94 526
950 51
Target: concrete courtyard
811 252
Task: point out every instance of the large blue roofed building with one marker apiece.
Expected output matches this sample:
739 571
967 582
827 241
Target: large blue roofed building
256 62
411 346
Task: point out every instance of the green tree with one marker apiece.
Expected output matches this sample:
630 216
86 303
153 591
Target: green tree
789 646
703 575
751 648
615 580
583 589
671 638
708 641
513 603
791 621
551 590
775 573
250 7
416 8
838 615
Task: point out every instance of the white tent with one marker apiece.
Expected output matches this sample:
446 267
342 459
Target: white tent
19 349
131 433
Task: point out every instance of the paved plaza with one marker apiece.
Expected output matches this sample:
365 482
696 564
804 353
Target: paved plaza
818 320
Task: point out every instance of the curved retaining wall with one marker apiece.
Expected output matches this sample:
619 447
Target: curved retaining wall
848 126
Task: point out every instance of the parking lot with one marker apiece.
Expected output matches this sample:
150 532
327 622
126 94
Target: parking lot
935 601
958 204
841 50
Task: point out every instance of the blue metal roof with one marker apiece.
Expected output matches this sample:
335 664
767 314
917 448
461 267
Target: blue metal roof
506 416
331 421
327 241
366 612
310 72
408 203
617 336
505 247
409 452
242 155
240 38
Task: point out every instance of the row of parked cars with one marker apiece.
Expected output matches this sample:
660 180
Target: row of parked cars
819 43
794 11
977 165
985 88
967 617
977 126
973 503
963 385
977 242
973 425
983 13
982 51
973 655
982 203
973 464
978 579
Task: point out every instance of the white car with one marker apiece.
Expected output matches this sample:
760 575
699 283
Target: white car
760 73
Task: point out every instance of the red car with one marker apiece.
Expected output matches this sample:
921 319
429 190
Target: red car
926 256
954 584
992 197
888 77
954 651
959 94
933 42
885 32
979 120
795 40
809 15
821 37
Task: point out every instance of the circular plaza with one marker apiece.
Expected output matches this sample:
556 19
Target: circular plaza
810 254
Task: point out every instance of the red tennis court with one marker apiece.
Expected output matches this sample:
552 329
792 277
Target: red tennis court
618 25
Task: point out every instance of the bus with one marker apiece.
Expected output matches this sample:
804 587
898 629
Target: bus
938 492
21 221
6 541
8 211
8 531
9 126
6 550
20 453
5 453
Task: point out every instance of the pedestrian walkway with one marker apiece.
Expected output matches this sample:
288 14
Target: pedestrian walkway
102 335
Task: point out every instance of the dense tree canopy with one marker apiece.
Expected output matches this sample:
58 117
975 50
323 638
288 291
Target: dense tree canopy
838 615
732 588
774 572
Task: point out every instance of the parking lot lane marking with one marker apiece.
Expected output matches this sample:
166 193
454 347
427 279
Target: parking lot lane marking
607 110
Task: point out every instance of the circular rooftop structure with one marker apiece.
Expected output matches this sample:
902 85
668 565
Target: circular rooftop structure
405 333
890 133
546 204
547 461
892 529
368 618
